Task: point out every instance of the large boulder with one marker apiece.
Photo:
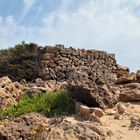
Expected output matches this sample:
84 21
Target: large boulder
89 90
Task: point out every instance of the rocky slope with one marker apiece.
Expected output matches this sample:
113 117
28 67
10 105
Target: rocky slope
122 121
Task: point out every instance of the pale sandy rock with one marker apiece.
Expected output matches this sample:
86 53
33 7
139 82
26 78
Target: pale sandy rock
84 110
135 122
121 109
92 117
98 112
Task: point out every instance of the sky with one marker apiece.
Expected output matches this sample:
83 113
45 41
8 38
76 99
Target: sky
109 25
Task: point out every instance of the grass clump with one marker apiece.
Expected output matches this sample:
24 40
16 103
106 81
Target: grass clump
52 104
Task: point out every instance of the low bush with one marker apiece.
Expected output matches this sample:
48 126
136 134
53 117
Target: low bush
52 104
19 62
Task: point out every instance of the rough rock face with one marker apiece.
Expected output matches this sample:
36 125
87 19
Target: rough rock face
130 95
37 127
129 87
9 92
126 78
26 127
42 86
83 88
59 62
122 70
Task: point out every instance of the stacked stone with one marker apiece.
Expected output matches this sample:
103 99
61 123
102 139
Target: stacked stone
122 70
58 63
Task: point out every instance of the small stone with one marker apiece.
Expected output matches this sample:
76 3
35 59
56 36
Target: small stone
39 82
117 117
121 109
77 107
84 110
138 75
94 118
98 112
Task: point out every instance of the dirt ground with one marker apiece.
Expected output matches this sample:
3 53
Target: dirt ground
120 124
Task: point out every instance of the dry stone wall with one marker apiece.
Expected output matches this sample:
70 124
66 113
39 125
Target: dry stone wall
59 63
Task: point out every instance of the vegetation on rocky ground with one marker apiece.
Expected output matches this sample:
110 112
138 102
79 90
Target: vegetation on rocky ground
52 104
19 62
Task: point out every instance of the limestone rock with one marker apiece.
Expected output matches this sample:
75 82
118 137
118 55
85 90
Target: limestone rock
97 111
132 86
9 92
135 122
127 78
121 109
130 95
122 70
94 118
77 107
84 110
39 82
36 126
138 75
23 82
25 127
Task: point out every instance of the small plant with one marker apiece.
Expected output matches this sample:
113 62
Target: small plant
52 104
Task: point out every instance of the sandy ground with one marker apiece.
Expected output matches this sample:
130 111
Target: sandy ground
120 127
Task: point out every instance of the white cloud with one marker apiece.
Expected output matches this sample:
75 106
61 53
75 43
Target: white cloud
28 4
99 24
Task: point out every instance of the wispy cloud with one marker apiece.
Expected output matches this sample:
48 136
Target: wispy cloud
28 4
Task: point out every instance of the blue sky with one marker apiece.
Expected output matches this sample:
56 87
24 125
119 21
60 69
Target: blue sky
110 25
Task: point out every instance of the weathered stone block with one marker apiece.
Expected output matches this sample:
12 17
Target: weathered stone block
47 56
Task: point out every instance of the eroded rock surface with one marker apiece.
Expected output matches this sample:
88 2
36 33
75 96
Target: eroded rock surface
35 126
9 92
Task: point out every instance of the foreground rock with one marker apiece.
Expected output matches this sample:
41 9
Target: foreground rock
37 127
84 110
9 92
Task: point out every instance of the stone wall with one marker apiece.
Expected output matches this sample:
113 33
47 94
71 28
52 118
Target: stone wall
59 63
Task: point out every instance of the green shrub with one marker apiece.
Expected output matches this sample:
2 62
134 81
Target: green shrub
52 104
19 62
